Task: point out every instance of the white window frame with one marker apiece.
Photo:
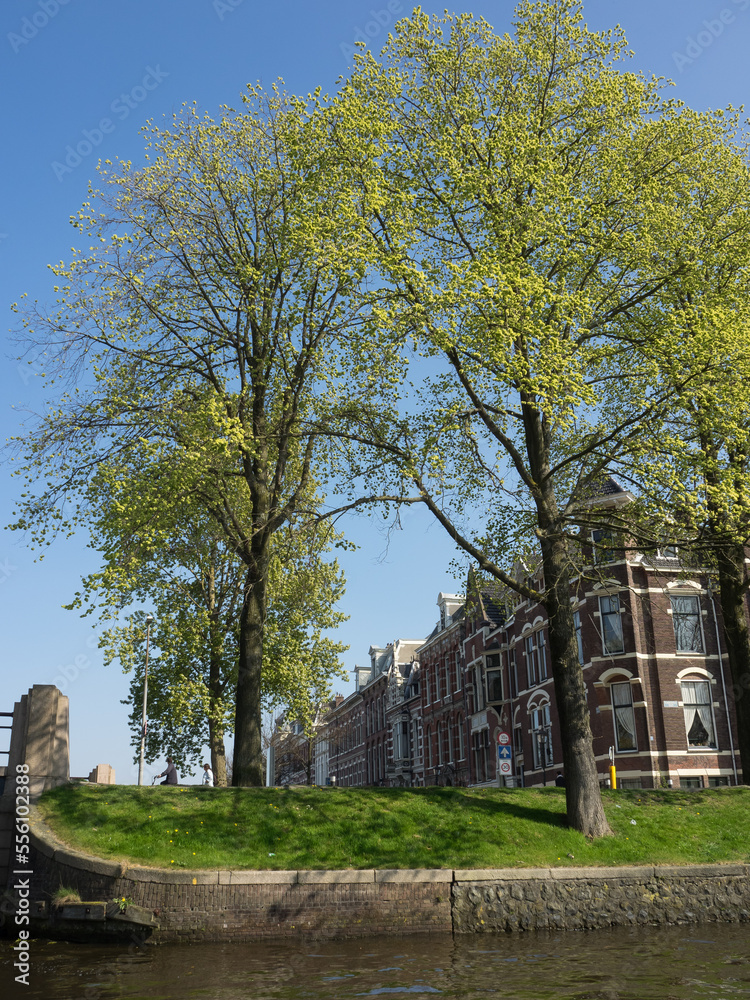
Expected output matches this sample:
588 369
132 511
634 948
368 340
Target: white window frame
691 684
624 712
679 616
615 613
540 722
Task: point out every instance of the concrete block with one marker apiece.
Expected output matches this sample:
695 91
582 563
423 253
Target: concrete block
698 871
414 875
500 874
640 872
83 911
348 875
263 878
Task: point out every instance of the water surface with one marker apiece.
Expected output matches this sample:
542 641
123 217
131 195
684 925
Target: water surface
685 963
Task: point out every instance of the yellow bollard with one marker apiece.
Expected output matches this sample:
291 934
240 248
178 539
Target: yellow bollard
612 776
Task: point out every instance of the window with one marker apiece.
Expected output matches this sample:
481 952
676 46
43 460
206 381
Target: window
447 677
478 689
686 619
437 682
535 648
604 542
666 551
623 716
542 654
609 609
629 782
699 722
541 736
579 635
494 678
718 782
513 673
530 651
691 783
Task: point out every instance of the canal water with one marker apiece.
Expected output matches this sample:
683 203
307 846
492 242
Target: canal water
685 963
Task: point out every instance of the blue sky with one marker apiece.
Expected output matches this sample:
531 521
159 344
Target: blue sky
79 79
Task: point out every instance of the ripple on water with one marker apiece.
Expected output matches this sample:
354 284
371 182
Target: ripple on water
633 964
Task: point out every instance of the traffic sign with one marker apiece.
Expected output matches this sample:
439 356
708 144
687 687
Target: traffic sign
503 739
504 753
505 767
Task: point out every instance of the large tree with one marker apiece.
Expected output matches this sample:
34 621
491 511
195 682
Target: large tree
516 194
205 325
191 578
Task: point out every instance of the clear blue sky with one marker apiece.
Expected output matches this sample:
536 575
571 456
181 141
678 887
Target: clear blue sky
65 66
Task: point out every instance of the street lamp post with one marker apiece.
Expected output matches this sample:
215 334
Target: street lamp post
149 619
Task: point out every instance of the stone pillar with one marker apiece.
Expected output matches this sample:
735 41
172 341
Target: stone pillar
39 739
103 774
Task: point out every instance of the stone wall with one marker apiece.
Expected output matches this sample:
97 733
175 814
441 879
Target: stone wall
592 898
226 905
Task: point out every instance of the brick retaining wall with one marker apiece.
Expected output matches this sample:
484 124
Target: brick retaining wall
227 905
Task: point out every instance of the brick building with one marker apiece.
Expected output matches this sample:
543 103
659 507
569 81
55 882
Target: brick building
474 703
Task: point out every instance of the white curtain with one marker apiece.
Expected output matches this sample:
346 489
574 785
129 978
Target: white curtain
696 700
622 701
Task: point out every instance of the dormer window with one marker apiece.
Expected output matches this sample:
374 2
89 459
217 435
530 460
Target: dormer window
604 542
666 552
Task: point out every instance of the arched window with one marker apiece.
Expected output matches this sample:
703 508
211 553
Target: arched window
698 711
541 734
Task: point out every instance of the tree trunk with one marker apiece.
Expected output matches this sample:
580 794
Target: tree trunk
585 811
582 793
730 560
247 765
218 754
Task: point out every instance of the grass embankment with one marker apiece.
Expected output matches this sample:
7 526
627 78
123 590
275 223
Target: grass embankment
268 828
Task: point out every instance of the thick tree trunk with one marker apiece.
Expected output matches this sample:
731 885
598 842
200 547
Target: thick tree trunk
732 590
583 796
585 811
247 766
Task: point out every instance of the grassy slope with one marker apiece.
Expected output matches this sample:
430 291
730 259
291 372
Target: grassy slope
269 828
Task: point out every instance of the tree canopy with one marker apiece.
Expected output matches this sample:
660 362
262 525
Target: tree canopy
207 325
527 202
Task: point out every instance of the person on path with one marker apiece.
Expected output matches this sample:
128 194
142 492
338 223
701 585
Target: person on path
208 775
170 775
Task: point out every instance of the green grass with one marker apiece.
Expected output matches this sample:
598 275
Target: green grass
270 828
